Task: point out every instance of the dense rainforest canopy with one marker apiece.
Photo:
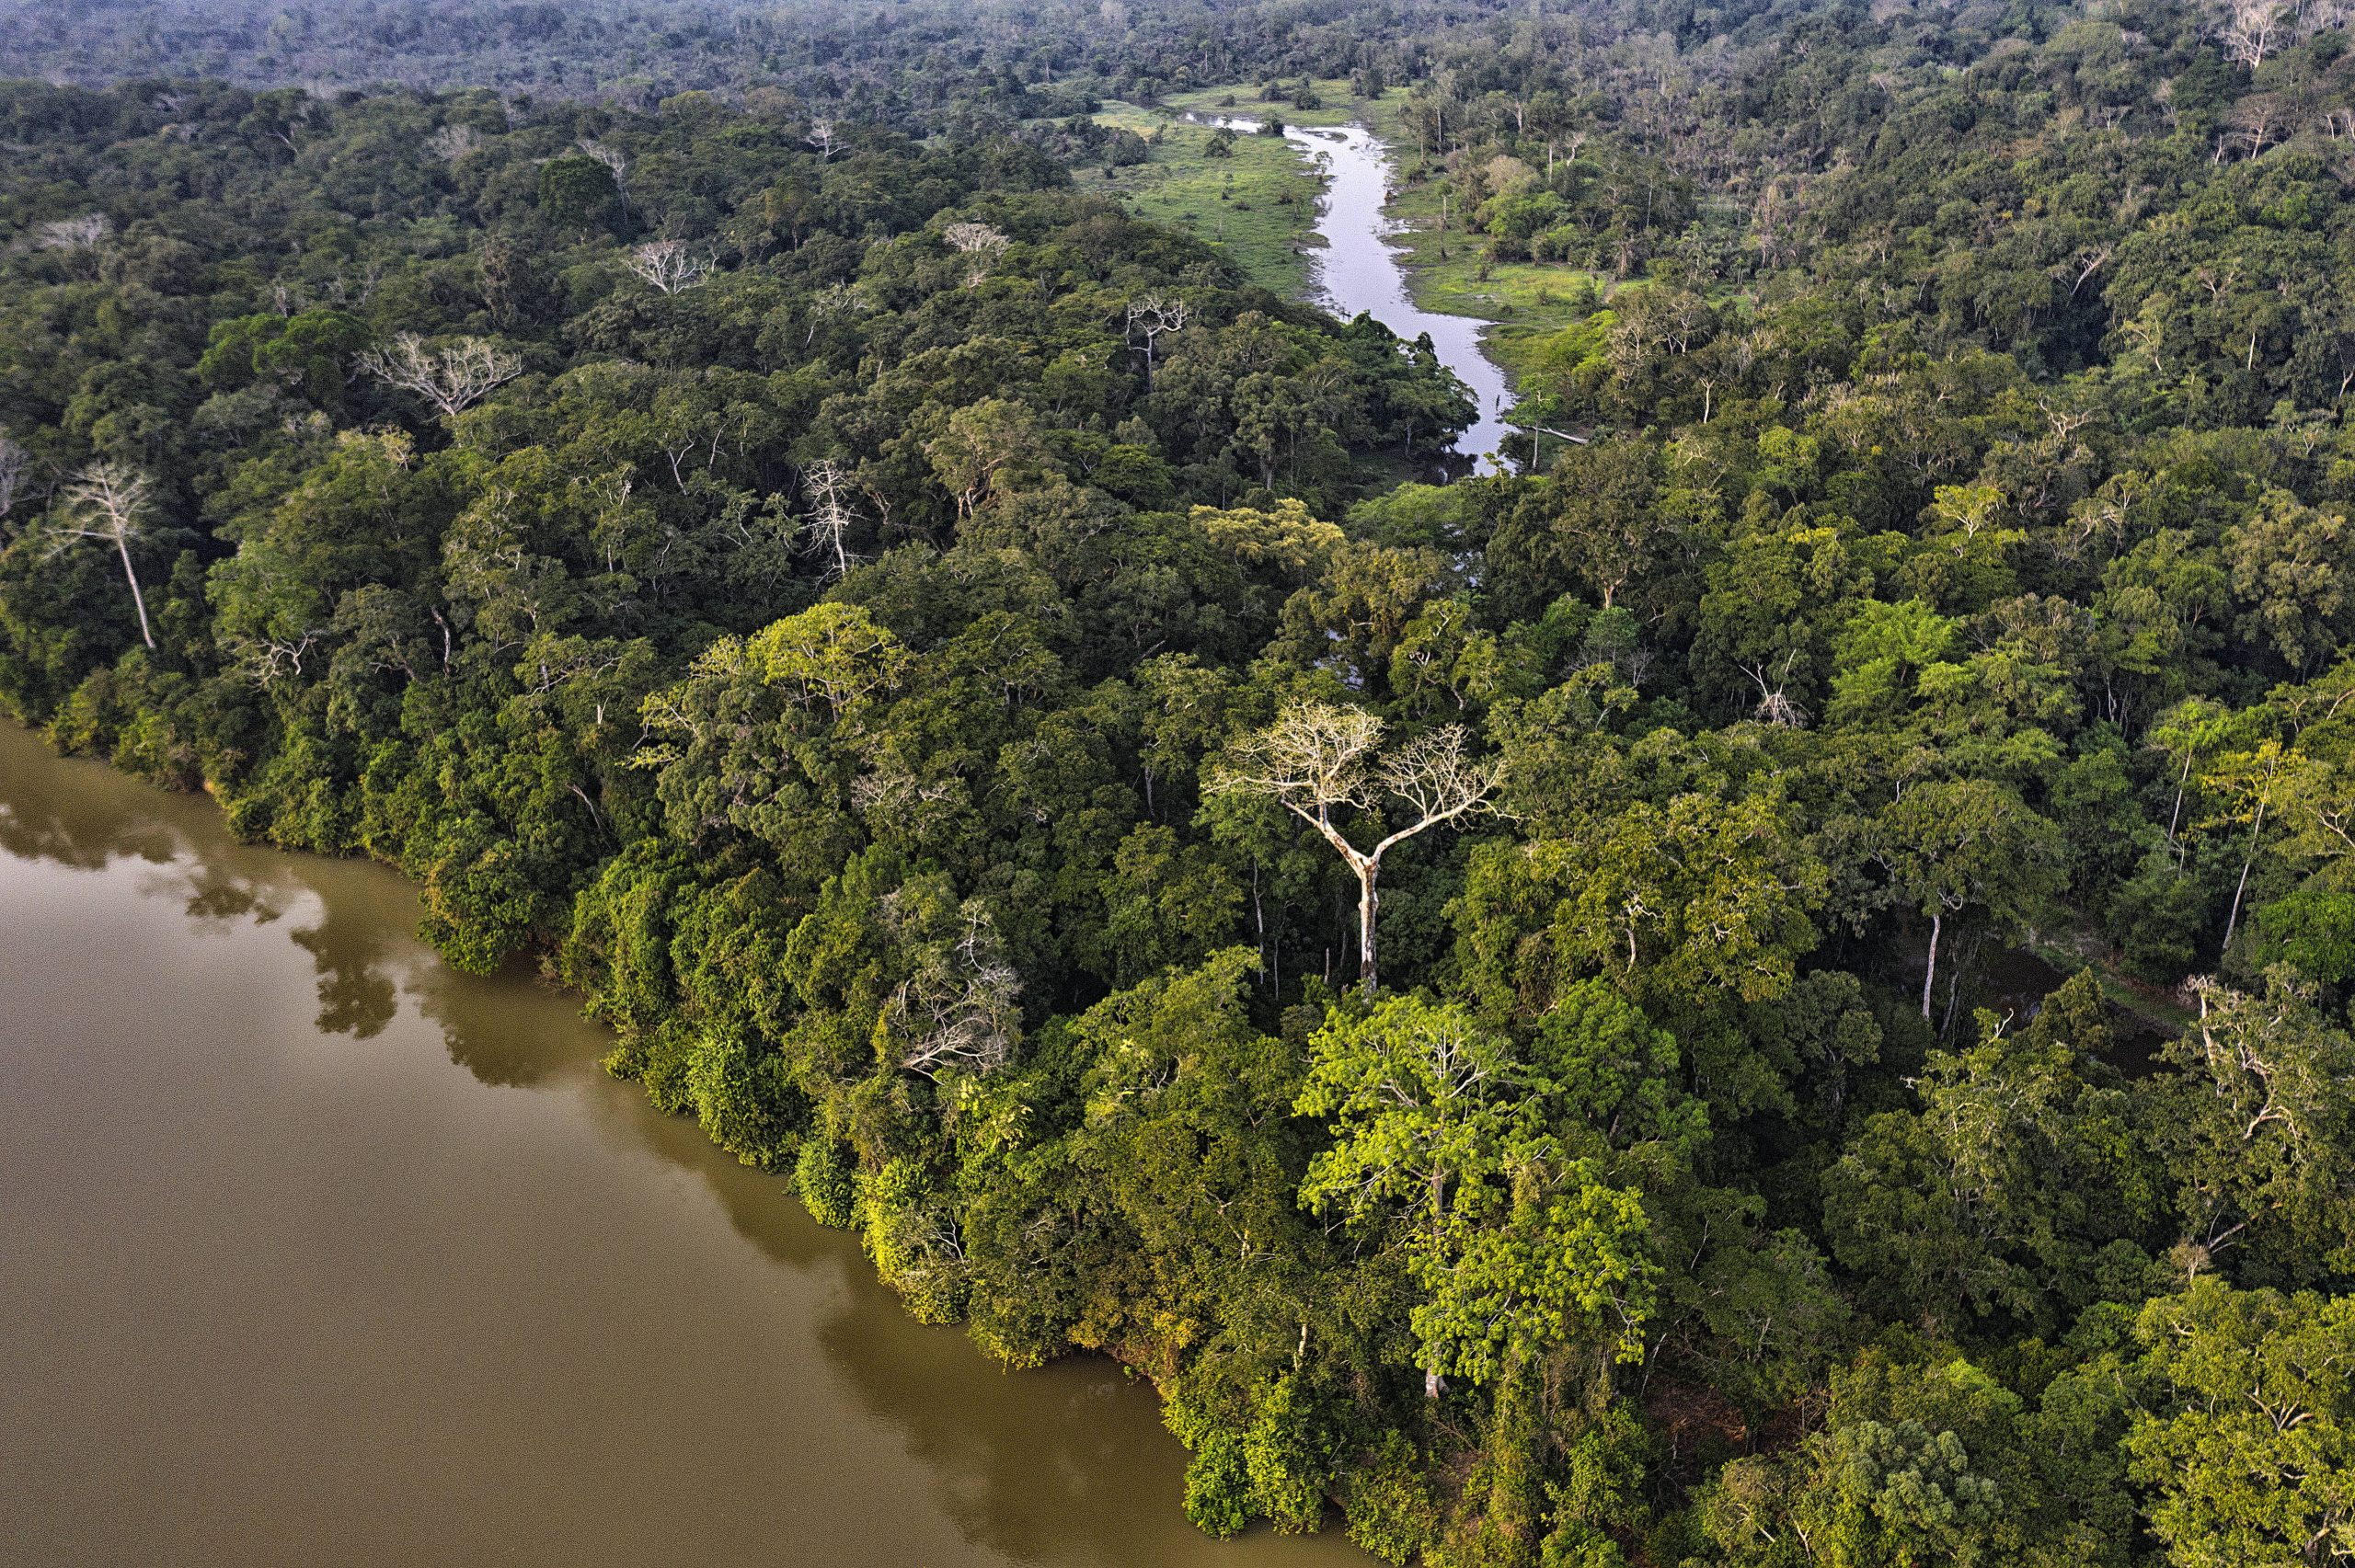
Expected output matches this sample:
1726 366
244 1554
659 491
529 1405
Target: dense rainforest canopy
1855 1069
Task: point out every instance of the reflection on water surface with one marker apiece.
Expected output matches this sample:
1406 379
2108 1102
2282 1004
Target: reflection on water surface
318 1251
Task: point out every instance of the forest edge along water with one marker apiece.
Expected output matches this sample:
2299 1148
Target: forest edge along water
1359 272
319 1250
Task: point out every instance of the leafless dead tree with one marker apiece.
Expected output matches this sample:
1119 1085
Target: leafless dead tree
832 517
668 266
268 660
108 501
824 137
972 237
615 164
831 303
2250 30
72 234
1152 315
979 241
1317 758
453 376
16 470
1776 706
453 141
959 1008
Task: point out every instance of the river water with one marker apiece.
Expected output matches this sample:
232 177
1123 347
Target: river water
1357 271
313 1250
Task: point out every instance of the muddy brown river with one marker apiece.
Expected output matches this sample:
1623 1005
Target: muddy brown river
315 1251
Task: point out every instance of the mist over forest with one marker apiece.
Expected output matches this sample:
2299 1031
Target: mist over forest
1763 979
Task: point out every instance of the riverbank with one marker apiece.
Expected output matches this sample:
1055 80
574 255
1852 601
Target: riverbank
1214 170
1260 205
321 1250
1525 305
1256 205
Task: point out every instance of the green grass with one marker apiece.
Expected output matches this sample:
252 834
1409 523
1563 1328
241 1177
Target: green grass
2161 1007
1258 206
1339 107
1528 300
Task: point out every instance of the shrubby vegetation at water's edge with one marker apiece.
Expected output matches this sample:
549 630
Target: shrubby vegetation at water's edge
1510 1000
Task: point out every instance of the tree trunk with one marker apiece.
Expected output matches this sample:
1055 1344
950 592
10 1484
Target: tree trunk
1929 976
122 547
1259 916
2175 815
1432 1382
1366 874
2233 924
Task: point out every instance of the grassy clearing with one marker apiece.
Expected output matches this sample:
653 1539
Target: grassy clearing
1338 108
1260 207
2162 1009
1528 300
1257 206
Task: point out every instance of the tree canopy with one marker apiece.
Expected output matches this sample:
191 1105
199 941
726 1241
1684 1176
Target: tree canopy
1860 1068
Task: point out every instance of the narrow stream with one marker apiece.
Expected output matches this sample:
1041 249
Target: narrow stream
1357 271
315 1251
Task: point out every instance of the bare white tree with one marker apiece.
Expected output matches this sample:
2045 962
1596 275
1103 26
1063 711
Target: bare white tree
108 501
974 236
2250 30
453 141
615 164
959 1008
453 376
1776 705
832 517
72 234
267 660
16 470
979 241
823 136
1316 758
1150 315
831 303
668 265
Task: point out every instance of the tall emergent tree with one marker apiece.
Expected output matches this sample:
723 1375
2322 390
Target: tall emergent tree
1948 846
1317 758
1424 1102
453 376
108 501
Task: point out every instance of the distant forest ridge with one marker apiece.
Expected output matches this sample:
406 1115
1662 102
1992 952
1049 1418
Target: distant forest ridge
893 59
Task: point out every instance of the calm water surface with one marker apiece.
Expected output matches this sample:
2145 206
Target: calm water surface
1357 271
314 1250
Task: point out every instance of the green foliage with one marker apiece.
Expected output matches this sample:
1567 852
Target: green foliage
2250 1442
1438 1127
2258 1121
1928 565
578 192
1915 1465
1388 1499
824 1176
2024 1184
